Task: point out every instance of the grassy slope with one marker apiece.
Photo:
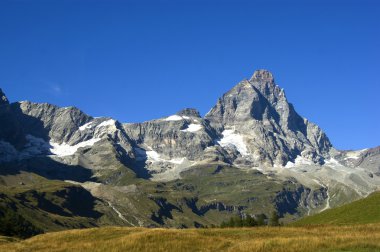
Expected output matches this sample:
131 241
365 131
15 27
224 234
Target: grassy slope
205 195
321 238
50 205
218 194
358 212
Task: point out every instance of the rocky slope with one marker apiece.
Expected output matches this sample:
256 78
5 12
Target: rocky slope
250 154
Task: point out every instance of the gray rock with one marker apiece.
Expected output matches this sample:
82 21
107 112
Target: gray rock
10 127
3 98
50 122
173 138
189 112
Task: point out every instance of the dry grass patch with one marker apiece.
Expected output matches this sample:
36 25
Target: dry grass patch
283 239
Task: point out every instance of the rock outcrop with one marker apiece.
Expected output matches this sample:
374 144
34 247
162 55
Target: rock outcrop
3 98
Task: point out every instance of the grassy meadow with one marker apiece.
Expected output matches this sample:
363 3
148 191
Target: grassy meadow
281 239
363 211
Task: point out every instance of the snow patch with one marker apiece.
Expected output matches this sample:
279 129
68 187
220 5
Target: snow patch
86 126
354 154
65 149
35 146
299 161
178 118
106 123
153 156
192 128
332 162
231 138
177 160
174 118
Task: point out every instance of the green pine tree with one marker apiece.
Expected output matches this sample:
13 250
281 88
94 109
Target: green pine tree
274 219
249 221
238 222
260 219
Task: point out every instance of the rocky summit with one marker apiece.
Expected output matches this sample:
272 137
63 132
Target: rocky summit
252 153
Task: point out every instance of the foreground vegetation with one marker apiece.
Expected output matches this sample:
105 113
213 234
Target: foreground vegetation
249 221
13 224
363 211
302 239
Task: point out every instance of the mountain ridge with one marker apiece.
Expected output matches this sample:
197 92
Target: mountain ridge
164 171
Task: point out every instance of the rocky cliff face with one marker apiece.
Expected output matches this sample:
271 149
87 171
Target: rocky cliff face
3 98
66 134
50 122
12 136
272 133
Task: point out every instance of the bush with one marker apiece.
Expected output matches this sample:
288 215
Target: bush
247 221
274 219
260 219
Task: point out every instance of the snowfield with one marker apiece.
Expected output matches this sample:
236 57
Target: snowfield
193 128
64 149
231 138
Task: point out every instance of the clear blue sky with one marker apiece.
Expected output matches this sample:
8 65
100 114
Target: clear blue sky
139 60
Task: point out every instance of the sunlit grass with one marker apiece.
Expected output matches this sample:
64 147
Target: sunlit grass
363 211
281 239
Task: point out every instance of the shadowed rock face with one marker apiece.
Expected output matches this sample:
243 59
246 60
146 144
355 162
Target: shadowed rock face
51 122
3 98
11 131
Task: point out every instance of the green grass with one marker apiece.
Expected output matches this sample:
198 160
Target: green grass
204 196
49 205
362 211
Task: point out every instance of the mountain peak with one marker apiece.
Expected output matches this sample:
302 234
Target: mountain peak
262 75
3 98
189 112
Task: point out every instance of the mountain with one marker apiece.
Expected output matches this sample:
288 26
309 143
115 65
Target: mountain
257 112
250 154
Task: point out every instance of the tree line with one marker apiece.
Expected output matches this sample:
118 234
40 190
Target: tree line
249 221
